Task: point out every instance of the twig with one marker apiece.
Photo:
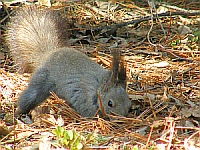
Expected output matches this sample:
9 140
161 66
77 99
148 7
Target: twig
137 21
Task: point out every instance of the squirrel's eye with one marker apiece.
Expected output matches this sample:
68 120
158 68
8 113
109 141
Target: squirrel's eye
110 104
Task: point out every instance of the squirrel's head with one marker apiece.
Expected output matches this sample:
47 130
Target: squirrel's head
116 100
112 93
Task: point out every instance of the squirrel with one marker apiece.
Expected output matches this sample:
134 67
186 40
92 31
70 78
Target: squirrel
37 41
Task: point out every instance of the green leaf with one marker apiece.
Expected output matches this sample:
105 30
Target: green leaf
196 33
173 43
66 135
60 130
55 132
195 39
65 142
135 148
79 146
70 134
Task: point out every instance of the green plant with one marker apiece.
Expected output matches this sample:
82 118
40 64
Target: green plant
69 138
176 42
151 148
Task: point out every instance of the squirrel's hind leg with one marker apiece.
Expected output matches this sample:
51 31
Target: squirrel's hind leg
37 91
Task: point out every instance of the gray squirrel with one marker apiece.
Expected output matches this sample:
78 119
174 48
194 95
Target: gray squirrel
36 39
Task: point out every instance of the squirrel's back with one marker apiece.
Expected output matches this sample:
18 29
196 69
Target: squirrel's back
31 35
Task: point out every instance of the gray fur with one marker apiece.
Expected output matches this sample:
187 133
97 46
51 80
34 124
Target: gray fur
70 74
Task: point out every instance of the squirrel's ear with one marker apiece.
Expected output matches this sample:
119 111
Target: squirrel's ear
118 75
114 67
122 73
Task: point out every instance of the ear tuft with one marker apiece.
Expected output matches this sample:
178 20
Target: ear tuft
122 73
118 75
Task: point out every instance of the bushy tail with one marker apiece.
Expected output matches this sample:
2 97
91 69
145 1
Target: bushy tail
33 33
